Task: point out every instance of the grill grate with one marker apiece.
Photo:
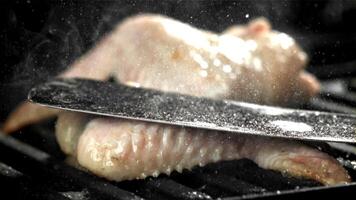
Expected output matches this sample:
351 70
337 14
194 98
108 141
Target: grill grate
32 163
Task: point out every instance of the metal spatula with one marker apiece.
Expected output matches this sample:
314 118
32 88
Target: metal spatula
115 100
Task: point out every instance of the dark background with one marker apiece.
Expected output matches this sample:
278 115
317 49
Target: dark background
40 38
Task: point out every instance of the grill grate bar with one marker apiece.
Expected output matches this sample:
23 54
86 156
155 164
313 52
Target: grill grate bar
347 98
249 172
176 190
335 96
228 184
321 104
23 185
352 85
339 70
303 193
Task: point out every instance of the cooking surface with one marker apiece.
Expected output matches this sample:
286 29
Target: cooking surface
42 38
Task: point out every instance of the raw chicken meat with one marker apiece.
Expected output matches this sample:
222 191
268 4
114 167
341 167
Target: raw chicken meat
249 63
260 66
125 149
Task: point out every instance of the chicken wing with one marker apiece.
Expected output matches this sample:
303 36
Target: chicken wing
248 63
125 149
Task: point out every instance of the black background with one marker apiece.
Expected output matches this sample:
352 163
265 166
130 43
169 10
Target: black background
40 38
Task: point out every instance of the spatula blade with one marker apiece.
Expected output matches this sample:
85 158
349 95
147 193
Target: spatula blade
116 100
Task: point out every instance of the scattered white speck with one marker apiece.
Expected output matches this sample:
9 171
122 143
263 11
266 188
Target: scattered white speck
133 84
227 68
251 45
197 195
199 59
203 73
217 62
257 64
247 16
284 40
155 173
80 195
